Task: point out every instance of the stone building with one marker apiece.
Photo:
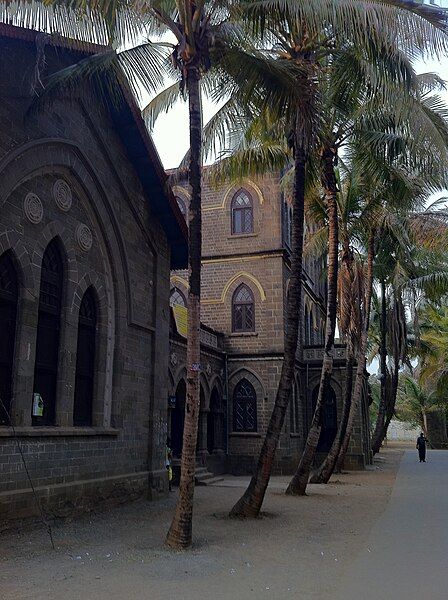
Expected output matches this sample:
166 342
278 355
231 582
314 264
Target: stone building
88 234
246 267
92 357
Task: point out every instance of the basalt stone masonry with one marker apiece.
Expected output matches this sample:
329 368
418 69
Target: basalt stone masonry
245 276
88 233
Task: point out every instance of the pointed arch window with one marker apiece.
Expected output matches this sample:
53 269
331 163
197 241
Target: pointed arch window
243 309
9 294
182 206
48 333
85 360
242 213
177 298
244 407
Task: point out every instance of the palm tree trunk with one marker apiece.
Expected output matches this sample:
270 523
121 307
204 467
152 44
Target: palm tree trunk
361 355
249 505
391 401
323 474
378 434
326 469
180 533
298 483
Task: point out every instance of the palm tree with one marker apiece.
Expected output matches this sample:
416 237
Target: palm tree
402 266
415 401
396 262
350 297
299 37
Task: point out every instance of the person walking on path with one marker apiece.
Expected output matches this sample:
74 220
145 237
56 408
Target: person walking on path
421 447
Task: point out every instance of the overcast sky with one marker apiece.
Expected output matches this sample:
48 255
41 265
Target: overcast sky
171 131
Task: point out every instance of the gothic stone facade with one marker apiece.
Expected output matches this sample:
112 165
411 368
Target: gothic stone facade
87 238
246 248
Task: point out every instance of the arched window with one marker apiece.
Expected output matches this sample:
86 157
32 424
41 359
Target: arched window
244 407
242 213
9 293
182 206
214 423
85 360
48 329
243 309
177 298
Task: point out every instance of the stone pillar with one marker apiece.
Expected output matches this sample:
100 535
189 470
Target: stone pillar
158 408
25 358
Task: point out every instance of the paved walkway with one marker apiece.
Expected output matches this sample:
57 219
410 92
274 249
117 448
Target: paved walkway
406 555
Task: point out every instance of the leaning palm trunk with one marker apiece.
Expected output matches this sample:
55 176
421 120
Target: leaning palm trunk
378 433
361 355
326 469
299 481
391 402
249 505
349 295
180 532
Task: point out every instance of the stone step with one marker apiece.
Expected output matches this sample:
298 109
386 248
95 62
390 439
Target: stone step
208 479
201 476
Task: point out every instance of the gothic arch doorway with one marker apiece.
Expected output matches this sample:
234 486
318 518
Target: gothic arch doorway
329 419
214 423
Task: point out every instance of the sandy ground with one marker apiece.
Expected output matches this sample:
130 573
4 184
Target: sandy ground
301 548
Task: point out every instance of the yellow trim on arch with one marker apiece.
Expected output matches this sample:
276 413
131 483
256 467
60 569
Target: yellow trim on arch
231 281
176 279
231 191
177 189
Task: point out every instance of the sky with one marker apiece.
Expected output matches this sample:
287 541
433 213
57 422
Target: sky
171 130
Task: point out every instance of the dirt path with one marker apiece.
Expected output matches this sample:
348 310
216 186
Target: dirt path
300 549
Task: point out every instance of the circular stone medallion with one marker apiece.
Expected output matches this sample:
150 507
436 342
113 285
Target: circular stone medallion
33 208
84 237
62 193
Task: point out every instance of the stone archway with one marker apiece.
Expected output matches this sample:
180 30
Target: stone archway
215 423
329 419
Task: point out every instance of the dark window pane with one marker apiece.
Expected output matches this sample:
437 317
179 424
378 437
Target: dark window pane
244 407
177 298
243 310
8 316
237 221
247 220
48 326
85 361
242 213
